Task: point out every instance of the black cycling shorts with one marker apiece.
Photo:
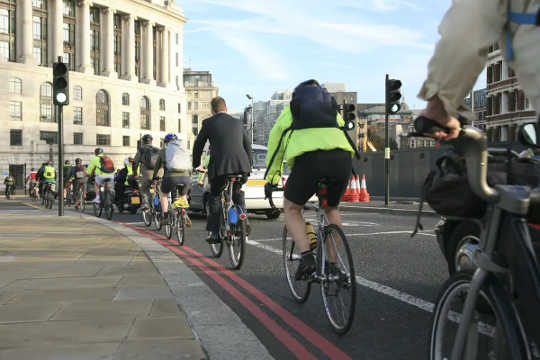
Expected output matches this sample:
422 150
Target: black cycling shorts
310 167
169 184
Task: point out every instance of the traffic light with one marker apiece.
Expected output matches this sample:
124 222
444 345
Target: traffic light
349 115
393 95
60 83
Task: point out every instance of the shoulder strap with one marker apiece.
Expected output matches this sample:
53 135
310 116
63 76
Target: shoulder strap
276 151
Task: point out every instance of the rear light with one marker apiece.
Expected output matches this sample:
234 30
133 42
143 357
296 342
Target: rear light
242 216
135 191
283 181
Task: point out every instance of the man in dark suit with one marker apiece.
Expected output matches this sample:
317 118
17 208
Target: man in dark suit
230 154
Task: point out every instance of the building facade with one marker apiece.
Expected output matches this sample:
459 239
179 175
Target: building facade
507 107
200 90
265 114
126 62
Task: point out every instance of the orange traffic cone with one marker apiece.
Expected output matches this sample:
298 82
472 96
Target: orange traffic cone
364 195
355 188
347 196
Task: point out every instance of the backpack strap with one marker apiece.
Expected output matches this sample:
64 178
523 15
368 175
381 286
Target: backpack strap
276 151
521 19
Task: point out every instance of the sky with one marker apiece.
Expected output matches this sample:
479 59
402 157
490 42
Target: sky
259 46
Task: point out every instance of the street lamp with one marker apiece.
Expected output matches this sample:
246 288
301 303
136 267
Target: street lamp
252 116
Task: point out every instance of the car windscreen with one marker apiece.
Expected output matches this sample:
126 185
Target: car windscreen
259 159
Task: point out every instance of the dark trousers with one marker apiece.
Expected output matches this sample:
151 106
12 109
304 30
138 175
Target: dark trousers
217 185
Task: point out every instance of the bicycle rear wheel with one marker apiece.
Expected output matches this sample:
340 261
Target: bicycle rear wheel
169 228
291 260
109 212
493 332
180 227
338 289
157 220
237 245
97 209
147 217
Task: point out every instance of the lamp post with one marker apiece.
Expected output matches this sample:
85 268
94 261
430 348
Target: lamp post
252 116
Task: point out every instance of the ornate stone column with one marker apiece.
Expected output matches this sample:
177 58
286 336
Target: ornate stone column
85 65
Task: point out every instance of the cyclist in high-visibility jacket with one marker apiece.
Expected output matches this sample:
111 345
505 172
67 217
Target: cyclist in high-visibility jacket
101 176
49 173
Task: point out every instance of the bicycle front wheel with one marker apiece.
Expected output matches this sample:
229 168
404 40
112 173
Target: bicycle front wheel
493 332
147 217
339 285
291 260
97 209
237 245
109 212
180 227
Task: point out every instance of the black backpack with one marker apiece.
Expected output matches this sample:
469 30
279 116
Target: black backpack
313 107
149 157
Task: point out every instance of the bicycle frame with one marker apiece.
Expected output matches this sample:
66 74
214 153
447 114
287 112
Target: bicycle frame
227 204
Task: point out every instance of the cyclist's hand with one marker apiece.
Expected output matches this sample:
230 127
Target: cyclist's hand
435 110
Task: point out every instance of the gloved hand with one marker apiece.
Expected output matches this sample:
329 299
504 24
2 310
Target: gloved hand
268 189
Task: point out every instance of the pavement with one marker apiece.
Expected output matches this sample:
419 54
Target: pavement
73 287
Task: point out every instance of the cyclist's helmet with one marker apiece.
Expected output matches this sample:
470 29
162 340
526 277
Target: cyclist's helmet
33 169
67 162
130 159
50 163
170 137
147 139
78 160
98 151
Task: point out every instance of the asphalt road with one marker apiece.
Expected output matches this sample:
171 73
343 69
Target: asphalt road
398 281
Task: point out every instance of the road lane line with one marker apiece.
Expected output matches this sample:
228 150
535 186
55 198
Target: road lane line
271 325
383 289
32 206
359 234
324 345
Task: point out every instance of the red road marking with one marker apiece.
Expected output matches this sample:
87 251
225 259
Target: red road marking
308 333
280 333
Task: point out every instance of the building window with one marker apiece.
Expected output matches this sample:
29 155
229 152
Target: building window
102 108
15 108
125 120
50 137
195 120
95 32
189 105
195 130
46 103
118 44
77 93
176 59
15 86
162 104
162 123
7 30
179 125
15 137
125 140
145 113
520 100
195 105
104 140
69 33
179 108
77 138
77 115
176 38
177 82
138 49
155 51
125 99
39 31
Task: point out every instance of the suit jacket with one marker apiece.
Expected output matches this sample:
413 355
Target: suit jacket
230 147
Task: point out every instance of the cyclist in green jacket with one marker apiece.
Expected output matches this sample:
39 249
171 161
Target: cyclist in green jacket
311 154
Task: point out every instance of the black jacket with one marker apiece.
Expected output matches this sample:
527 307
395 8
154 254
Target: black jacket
230 147
138 161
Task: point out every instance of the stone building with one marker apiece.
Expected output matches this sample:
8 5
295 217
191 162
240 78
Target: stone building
506 104
126 64
200 90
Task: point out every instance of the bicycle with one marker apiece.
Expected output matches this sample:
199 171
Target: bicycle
34 191
491 314
79 195
232 225
337 281
153 213
10 190
49 195
177 219
106 199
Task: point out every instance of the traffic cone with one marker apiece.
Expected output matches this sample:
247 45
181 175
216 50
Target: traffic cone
347 196
355 189
364 195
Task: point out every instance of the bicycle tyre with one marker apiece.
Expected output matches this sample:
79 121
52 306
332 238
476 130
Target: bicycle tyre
180 228
291 260
216 249
493 302
169 228
345 285
50 197
82 201
237 245
97 209
157 220
109 212
147 217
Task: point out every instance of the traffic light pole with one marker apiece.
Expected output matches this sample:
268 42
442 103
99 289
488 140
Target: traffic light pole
60 189
386 154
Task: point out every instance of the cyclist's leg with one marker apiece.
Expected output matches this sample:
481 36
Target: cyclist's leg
166 185
216 187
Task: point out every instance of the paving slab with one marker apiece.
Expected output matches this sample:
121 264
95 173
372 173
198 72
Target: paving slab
66 283
56 295
27 312
170 327
103 309
143 292
176 349
96 351
164 308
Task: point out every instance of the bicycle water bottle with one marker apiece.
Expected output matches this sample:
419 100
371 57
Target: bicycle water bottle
310 232
232 216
